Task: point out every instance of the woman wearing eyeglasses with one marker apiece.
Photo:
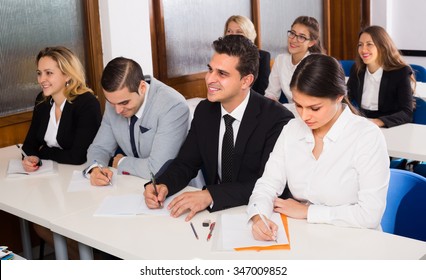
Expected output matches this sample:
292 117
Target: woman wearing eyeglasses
302 40
380 83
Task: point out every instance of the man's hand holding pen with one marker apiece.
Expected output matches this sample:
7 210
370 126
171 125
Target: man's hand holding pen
100 176
155 199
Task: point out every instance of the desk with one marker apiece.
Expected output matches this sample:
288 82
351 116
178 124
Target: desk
40 199
163 237
406 141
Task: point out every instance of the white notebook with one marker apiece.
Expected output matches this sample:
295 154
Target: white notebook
15 169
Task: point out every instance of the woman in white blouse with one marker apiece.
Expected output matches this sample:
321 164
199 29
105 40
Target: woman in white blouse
302 39
334 162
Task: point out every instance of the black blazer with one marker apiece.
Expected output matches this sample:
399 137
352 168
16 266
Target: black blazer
78 126
395 96
262 80
261 125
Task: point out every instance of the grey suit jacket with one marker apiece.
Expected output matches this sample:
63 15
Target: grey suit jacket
159 133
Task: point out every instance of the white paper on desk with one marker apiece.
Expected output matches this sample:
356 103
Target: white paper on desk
130 204
236 232
79 183
15 168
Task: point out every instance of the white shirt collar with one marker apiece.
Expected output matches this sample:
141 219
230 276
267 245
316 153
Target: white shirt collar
238 112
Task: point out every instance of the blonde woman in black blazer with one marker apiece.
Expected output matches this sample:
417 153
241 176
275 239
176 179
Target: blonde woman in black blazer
380 83
66 115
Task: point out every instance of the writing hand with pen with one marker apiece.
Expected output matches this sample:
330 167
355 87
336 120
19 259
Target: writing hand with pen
154 197
100 176
263 228
29 163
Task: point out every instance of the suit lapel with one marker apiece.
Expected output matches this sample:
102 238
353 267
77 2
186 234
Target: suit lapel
383 88
212 139
247 126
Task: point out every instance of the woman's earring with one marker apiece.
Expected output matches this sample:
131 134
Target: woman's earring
67 83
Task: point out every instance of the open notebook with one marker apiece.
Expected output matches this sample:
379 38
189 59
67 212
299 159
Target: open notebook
236 234
15 168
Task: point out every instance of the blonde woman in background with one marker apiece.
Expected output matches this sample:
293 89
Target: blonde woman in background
241 25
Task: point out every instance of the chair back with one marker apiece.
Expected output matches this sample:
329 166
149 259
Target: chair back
419 114
420 72
405 213
347 65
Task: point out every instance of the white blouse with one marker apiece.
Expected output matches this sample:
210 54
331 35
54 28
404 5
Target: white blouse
346 186
280 77
52 127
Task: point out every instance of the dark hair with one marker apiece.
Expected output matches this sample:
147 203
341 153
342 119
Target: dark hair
389 56
122 72
322 76
241 47
314 32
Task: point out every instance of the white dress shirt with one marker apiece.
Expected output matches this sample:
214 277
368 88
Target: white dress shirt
370 92
346 186
52 127
280 77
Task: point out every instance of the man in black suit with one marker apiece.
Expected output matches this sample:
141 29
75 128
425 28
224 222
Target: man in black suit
258 122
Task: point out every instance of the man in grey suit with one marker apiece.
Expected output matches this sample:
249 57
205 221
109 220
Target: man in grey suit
146 120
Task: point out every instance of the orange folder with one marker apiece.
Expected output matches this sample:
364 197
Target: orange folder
272 247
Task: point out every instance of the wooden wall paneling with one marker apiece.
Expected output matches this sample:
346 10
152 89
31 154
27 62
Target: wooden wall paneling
94 51
343 20
14 128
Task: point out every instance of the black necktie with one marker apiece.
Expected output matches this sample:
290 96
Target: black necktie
133 120
227 149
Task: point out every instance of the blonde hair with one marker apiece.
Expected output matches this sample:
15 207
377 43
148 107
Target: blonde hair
71 66
245 24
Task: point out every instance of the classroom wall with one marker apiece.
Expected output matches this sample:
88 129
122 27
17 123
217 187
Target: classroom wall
125 31
404 21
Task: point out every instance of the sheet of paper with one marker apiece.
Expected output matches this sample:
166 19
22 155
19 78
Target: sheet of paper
236 232
130 204
15 168
79 183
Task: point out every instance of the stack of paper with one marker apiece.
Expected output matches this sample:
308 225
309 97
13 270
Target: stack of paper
236 233
15 168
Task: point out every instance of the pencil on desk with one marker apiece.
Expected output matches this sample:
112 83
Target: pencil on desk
193 229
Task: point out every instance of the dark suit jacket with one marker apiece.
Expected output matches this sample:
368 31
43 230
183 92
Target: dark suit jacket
395 96
261 125
262 80
78 126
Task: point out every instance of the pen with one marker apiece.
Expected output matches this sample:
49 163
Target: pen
154 184
264 221
102 172
211 231
193 229
25 155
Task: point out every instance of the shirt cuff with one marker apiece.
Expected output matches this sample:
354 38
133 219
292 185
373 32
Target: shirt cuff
88 170
318 214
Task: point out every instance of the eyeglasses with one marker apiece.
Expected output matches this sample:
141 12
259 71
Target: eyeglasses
300 38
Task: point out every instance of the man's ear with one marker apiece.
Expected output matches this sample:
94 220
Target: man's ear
248 81
142 87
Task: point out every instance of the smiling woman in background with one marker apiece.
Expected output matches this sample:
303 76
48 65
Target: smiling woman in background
302 39
380 83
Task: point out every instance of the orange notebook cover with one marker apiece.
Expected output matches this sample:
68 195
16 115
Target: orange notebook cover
272 247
